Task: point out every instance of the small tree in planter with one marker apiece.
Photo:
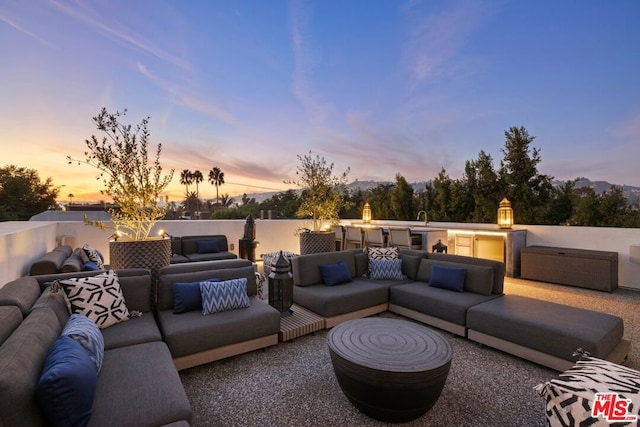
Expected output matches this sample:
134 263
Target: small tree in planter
129 177
135 183
320 199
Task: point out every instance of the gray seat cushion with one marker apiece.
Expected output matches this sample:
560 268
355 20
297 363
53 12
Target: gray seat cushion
441 303
192 332
328 301
139 385
547 327
212 256
137 330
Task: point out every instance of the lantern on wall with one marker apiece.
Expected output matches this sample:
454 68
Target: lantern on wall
366 213
505 214
281 286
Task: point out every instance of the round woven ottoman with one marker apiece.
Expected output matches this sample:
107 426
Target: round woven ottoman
390 369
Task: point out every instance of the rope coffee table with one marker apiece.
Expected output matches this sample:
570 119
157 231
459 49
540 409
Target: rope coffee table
392 370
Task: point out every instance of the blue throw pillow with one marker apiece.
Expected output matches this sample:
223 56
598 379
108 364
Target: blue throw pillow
208 246
385 269
90 266
335 274
224 296
447 278
67 385
187 296
86 333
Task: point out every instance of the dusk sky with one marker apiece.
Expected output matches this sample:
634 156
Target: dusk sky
380 86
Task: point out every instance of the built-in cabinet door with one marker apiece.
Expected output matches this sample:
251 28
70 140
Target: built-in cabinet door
464 244
489 247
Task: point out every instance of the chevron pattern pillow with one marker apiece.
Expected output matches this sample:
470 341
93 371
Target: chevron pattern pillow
224 296
88 335
385 269
98 297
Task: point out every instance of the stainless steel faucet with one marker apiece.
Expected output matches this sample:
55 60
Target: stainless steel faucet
425 217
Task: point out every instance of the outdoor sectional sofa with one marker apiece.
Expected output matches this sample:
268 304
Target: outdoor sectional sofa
62 259
200 248
539 331
138 383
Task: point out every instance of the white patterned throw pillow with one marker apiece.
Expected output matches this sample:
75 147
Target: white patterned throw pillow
93 256
224 296
383 253
98 297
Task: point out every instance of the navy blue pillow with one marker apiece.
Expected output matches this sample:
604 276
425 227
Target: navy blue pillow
335 274
67 385
187 296
447 278
208 246
90 266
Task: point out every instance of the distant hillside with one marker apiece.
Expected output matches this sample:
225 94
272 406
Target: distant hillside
630 192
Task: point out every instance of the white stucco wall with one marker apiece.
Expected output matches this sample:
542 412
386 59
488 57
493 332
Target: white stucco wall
23 242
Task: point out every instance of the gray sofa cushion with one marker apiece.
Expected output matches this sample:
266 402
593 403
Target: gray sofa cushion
209 256
328 301
22 292
51 262
192 332
22 357
410 265
139 385
73 263
190 243
137 330
478 279
306 268
548 327
497 266
195 272
10 319
57 301
441 303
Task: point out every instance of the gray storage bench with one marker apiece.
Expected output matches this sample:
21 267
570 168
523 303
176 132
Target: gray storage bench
545 332
583 268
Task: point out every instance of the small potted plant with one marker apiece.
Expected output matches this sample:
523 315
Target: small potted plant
320 201
134 182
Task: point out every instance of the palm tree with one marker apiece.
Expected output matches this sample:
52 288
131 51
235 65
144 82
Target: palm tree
186 178
71 198
216 177
197 178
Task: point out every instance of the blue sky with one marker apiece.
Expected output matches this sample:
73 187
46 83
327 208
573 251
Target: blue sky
380 86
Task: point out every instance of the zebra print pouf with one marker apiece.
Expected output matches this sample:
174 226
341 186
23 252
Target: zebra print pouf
594 392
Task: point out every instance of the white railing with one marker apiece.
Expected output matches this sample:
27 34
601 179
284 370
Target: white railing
22 242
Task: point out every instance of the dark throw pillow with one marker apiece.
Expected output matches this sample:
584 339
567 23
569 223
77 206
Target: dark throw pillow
187 296
335 274
67 385
447 278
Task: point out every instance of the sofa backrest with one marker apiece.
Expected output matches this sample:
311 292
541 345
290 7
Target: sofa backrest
51 262
477 279
199 271
22 357
306 268
497 266
189 244
22 293
135 284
